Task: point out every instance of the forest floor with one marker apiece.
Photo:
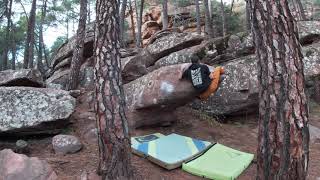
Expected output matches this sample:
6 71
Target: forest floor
239 133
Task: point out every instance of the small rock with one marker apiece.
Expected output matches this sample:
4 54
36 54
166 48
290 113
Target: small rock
66 144
20 167
75 93
92 136
89 176
22 147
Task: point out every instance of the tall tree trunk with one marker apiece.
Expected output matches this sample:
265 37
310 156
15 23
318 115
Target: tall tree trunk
132 22
208 21
8 36
41 43
223 16
89 12
301 10
114 139
248 18
139 21
14 55
231 7
164 14
198 16
28 51
77 57
317 89
122 20
283 140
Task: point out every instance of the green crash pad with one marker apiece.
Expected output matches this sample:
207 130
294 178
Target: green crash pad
219 163
172 150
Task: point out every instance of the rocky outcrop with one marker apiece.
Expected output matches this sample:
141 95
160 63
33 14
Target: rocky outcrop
66 144
152 98
238 93
166 48
26 110
20 167
22 77
160 47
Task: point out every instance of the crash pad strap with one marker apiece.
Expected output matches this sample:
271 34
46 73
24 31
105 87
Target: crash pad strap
215 76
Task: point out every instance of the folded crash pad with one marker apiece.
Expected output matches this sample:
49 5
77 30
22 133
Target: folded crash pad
136 141
172 150
219 163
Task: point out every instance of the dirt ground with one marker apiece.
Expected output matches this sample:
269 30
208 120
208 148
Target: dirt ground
239 133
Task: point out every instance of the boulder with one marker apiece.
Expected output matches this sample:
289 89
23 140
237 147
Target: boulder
309 31
152 98
22 147
27 110
234 43
149 28
180 57
22 77
61 78
238 93
66 49
66 144
20 167
161 46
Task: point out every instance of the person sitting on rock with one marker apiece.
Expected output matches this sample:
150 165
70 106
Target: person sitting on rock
204 81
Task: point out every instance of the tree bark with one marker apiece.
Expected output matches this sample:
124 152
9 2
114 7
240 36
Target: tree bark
122 20
28 51
139 22
164 14
114 139
248 18
283 140
77 57
208 21
132 22
198 16
224 28
8 36
14 55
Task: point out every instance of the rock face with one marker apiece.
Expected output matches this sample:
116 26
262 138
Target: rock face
162 46
20 167
66 144
26 110
238 93
147 71
22 77
152 98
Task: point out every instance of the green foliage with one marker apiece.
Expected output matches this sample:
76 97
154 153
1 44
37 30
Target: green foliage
59 41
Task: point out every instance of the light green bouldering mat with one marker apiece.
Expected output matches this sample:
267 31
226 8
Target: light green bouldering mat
219 163
171 151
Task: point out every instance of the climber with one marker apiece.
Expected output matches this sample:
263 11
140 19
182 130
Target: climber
204 81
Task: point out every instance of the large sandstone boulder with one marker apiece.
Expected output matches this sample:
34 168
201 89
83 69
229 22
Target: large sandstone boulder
238 93
160 47
26 110
152 98
66 49
149 28
20 167
22 77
